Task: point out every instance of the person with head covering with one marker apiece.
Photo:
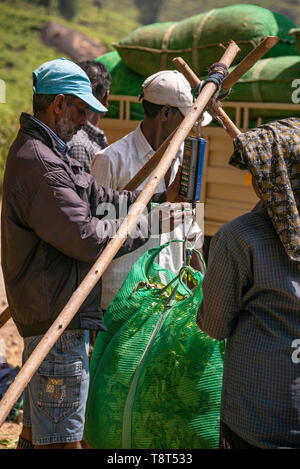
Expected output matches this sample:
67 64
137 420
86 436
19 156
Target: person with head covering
166 99
50 238
91 139
251 296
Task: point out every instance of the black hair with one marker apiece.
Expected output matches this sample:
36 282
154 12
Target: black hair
151 110
41 102
99 76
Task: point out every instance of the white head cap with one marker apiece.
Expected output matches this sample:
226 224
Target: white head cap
170 88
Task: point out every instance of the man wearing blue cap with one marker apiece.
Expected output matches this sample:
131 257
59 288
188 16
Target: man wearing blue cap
50 239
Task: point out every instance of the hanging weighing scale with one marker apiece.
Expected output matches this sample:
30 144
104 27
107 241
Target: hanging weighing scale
192 167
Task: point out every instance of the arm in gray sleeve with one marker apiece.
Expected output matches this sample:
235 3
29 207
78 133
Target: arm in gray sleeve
113 206
224 283
61 218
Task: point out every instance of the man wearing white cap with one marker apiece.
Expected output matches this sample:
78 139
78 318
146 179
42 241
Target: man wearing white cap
166 99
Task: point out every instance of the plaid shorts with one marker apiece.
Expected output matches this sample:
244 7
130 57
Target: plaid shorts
55 399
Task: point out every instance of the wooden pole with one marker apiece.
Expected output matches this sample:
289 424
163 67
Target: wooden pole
230 127
147 169
78 297
231 79
4 317
192 78
249 61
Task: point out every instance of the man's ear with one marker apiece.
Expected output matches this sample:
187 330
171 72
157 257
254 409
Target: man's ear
59 104
104 99
165 110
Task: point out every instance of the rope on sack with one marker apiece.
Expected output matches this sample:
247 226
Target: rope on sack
216 74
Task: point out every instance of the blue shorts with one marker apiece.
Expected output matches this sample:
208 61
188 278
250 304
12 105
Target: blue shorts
54 401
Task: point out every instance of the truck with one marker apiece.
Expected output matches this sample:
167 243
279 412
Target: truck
226 191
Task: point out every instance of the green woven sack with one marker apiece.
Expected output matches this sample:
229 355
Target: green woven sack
155 378
124 82
268 81
151 48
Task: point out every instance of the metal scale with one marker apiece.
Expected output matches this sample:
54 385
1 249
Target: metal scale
192 166
191 181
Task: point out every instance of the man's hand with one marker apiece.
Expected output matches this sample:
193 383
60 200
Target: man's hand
172 193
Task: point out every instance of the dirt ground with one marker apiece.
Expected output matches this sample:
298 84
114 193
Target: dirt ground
9 432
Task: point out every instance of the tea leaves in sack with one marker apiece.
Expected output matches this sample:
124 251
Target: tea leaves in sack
151 48
270 80
156 378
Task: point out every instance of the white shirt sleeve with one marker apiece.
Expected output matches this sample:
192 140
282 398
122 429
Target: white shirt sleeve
101 170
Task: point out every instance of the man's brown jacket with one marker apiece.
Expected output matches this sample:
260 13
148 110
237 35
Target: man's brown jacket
50 232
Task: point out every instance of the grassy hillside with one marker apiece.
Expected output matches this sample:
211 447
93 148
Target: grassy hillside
22 51
176 10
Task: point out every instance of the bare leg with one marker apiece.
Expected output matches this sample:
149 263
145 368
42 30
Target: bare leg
25 439
26 433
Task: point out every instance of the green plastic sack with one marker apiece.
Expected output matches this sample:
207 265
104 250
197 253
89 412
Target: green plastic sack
155 378
151 48
268 81
124 82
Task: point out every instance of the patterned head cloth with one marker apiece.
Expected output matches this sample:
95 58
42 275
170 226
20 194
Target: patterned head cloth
272 153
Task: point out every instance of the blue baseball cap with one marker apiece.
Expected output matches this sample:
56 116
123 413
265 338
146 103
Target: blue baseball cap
61 76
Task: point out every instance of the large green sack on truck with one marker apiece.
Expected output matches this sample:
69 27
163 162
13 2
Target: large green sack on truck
155 377
270 80
151 48
124 82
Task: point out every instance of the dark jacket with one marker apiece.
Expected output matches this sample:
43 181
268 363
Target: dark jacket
49 232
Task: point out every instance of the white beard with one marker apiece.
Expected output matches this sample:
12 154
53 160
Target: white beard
65 128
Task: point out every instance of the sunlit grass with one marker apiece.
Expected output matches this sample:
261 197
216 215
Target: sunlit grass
21 50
